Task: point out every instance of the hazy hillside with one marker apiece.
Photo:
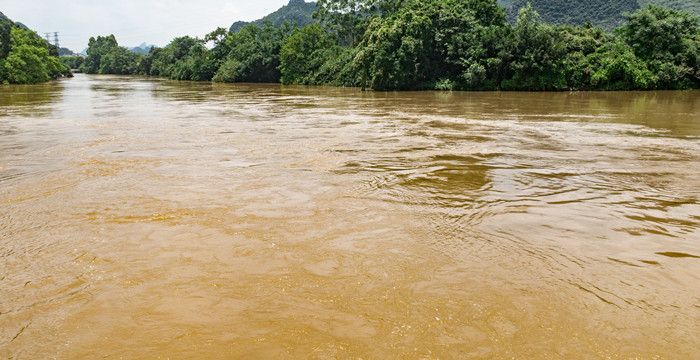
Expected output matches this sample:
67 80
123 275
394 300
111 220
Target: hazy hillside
604 13
692 6
296 12
65 52
142 49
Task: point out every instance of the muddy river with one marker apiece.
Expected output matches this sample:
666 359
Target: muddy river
144 218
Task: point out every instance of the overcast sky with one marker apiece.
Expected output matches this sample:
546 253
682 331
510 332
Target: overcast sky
132 21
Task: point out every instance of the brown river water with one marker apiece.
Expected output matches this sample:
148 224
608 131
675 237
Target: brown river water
144 218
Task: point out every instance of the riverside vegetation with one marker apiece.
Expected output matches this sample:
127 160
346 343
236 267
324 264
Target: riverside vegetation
26 58
438 44
442 44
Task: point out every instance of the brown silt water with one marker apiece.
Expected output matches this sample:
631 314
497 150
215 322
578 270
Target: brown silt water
150 219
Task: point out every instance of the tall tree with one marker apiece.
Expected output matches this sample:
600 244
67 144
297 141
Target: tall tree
29 60
303 54
669 41
348 19
97 48
536 54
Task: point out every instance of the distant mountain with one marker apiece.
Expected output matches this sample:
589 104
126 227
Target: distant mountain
65 52
297 12
142 49
604 13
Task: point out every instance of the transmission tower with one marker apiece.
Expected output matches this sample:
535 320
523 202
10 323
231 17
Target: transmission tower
47 37
55 40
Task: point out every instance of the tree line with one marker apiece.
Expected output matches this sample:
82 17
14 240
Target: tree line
26 58
433 44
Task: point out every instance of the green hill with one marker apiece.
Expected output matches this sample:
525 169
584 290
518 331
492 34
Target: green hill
605 13
691 6
297 12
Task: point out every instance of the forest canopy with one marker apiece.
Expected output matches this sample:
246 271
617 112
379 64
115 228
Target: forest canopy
438 44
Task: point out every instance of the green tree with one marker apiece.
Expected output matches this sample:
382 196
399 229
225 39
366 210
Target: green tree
339 69
105 56
669 41
303 54
72 62
119 60
418 44
185 58
29 60
452 42
348 19
535 60
252 54
468 39
396 52
25 65
615 67
97 48
229 72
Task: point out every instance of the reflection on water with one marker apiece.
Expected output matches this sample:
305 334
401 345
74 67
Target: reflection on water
29 100
145 218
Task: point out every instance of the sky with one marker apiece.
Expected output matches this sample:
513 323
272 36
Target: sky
132 21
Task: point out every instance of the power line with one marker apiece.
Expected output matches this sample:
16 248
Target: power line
56 42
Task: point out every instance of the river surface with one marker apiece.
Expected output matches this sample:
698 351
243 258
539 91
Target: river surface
144 218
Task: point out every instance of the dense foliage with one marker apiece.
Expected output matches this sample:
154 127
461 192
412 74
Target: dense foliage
438 44
26 58
185 58
250 55
105 56
668 42
72 62
304 53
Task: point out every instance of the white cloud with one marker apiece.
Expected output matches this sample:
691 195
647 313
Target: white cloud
132 21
